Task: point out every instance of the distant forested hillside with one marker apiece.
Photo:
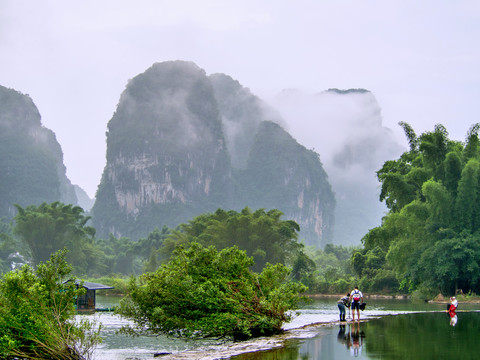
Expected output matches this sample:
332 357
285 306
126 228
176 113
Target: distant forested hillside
31 159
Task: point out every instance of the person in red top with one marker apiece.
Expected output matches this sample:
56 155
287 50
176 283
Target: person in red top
453 306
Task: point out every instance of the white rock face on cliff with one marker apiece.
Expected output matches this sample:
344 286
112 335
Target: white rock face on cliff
154 181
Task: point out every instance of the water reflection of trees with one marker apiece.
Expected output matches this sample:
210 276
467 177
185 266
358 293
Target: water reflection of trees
422 336
410 336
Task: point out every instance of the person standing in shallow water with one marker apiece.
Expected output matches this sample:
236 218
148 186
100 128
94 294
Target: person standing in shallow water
356 298
452 311
342 304
453 305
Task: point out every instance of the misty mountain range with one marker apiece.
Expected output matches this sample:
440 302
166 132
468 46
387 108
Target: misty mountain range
181 143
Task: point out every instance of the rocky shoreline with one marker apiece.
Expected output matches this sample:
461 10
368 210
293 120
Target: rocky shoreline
254 345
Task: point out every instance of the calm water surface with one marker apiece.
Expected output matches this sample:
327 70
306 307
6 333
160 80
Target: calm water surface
394 329
409 336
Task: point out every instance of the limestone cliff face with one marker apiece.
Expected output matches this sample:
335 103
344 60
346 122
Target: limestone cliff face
165 148
182 143
272 170
31 159
241 114
159 181
283 174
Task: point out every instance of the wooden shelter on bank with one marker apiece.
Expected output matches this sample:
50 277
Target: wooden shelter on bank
87 301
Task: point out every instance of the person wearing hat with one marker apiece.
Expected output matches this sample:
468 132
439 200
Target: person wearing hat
342 304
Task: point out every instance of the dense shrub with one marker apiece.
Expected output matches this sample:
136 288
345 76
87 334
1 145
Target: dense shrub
37 314
201 292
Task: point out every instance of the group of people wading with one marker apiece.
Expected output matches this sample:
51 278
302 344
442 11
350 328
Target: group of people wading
354 301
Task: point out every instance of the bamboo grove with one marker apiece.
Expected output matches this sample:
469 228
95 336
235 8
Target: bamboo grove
429 241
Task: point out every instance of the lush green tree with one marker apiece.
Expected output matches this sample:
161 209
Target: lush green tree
411 136
49 227
148 248
331 272
302 266
467 197
332 257
402 179
120 255
127 257
202 292
439 203
453 171
472 143
341 252
406 234
397 190
434 146
449 265
262 234
37 314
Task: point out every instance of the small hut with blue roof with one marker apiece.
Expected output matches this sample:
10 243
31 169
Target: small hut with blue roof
87 301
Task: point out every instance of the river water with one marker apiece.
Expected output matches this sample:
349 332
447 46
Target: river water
389 329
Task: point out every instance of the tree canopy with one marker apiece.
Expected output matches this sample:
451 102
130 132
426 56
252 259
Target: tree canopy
50 227
430 238
262 234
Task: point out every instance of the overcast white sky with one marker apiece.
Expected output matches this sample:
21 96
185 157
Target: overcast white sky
421 59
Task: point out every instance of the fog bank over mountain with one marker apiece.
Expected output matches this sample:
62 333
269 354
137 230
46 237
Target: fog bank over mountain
419 58
345 128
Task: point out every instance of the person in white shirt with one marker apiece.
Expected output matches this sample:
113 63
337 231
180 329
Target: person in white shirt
454 302
356 297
